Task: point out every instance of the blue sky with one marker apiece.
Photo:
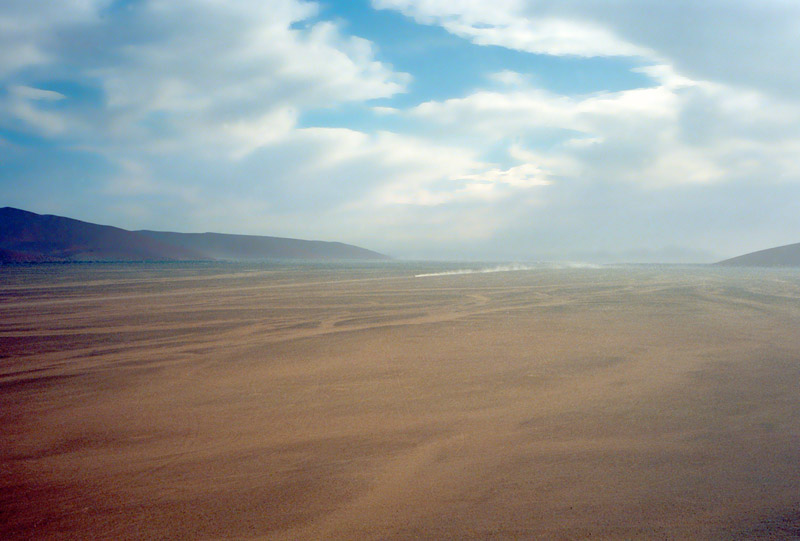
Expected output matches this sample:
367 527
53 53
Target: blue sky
517 130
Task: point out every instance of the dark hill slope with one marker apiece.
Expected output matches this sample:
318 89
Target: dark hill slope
782 256
251 247
26 236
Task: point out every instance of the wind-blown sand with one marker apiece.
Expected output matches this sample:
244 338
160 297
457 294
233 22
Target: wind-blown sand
215 402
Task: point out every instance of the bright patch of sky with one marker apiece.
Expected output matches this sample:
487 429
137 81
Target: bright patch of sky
638 130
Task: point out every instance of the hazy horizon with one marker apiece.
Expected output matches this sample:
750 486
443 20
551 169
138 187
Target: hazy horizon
641 131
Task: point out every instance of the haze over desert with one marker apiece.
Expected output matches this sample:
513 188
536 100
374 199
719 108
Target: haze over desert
363 401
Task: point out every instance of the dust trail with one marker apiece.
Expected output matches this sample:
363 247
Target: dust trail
511 268
499 268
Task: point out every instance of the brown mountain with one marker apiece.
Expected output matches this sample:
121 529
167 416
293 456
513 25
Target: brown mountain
782 256
29 237
26 236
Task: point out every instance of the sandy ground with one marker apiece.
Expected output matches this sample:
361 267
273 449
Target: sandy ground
605 403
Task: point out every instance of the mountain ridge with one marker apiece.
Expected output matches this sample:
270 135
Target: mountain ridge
27 237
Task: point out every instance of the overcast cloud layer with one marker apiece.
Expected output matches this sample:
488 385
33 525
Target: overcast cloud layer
200 116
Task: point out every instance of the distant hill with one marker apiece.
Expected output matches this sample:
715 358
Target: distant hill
252 247
782 256
30 237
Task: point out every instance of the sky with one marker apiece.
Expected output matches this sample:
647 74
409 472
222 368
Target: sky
515 130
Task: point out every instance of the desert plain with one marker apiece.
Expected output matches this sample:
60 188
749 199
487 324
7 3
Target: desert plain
216 401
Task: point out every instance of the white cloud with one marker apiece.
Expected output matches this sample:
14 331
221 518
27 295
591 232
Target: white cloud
508 78
681 131
353 169
43 122
28 105
27 28
225 75
30 93
504 23
749 44
429 174
270 128
239 72
521 111
525 175
385 110
135 179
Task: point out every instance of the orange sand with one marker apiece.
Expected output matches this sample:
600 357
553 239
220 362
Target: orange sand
172 403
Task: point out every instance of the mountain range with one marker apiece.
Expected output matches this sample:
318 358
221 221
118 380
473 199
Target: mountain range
29 237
